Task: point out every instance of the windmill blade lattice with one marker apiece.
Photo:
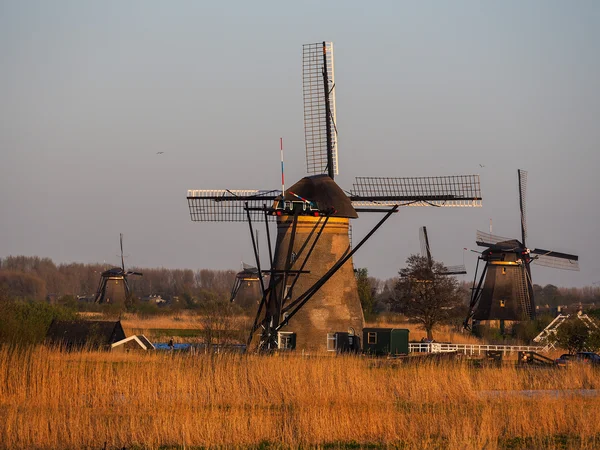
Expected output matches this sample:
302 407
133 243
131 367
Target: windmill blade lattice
459 269
318 88
445 191
522 203
225 205
484 239
548 258
122 257
424 240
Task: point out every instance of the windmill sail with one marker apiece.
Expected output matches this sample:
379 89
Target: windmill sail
549 258
484 239
318 88
228 205
425 249
426 253
446 191
522 175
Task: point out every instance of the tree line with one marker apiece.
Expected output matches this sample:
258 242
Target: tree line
35 278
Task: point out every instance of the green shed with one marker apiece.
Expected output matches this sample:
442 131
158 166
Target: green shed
385 341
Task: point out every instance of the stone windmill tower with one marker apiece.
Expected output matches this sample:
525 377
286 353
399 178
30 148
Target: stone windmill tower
311 301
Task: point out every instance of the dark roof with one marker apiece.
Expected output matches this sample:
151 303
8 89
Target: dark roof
114 272
323 191
145 341
371 329
509 245
80 333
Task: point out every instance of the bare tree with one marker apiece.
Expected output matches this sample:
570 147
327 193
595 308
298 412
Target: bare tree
424 294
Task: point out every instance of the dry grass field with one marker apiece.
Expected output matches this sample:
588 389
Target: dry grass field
184 326
154 326
53 400
442 333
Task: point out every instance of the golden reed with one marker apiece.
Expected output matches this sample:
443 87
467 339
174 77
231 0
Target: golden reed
54 400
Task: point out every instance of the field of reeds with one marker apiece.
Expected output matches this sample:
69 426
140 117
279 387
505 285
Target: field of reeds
54 400
185 326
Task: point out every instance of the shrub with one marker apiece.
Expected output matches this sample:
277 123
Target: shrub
26 322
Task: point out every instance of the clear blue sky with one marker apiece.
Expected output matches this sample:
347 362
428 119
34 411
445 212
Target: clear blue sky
90 91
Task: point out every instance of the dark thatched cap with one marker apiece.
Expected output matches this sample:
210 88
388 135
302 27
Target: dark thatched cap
323 191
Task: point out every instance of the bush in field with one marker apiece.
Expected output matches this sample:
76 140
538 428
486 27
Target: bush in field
218 319
575 336
527 330
26 322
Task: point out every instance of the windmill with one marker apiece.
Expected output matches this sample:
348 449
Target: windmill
505 288
247 276
311 298
426 253
116 274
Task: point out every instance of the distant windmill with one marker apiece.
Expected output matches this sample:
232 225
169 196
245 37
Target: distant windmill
426 253
247 276
116 274
311 298
505 288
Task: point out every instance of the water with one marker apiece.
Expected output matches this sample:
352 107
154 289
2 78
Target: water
536 393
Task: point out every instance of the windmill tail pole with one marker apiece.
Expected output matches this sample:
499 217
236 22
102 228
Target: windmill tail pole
282 172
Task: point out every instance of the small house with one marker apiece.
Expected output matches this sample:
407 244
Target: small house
132 343
385 341
88 334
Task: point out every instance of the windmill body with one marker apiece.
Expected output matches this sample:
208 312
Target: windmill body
247 276
336 305
505 288
311 295
113 280
507 292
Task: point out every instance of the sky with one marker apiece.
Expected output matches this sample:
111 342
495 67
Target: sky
91 91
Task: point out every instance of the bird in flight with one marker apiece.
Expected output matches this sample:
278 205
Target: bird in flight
159 153
480 165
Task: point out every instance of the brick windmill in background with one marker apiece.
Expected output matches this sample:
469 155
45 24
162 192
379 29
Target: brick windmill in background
311 299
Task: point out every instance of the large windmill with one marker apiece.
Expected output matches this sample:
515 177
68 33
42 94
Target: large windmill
118 275
426 253
505 289
311 297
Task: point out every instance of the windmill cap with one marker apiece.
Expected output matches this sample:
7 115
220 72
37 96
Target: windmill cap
325 193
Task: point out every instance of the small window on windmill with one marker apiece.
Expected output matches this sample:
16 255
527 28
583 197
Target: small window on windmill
287 340
502 303
372 337
331 342
504 271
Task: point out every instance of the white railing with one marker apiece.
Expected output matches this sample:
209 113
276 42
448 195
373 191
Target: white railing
470 349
